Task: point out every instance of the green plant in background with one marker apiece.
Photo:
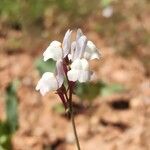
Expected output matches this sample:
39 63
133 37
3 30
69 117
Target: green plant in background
109 89
89 91
45 66
23 13
9 10
10 125
77 8
59 108
31 12
5 136
11 105
105 3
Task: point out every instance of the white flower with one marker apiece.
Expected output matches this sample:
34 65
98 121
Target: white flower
58 51
79 71
50 81
79 53
107 12
91 51
54 51
83 48
47 83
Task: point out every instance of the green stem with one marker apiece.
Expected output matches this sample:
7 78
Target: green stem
72 119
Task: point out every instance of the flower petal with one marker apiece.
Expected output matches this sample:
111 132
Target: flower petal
60 73
91 51
76 64
85 64
55 44
47 83
67 43
79 34
84 76
80 47
53 51
73 47
73 75
79 71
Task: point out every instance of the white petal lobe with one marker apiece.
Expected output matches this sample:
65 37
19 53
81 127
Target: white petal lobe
47 83
53 51
91 51
79 71
73 75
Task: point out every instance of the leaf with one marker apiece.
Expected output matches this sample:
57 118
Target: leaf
10 125
110 89
12 106
4 128
59 108
47 66
89 91
5 136
105 3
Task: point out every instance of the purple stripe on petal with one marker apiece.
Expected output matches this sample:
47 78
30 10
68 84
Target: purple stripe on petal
80 47
59 72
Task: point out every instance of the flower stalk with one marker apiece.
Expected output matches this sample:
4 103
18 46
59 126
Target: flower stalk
71 112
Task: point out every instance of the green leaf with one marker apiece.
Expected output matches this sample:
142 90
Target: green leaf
110 89
10 125
4 128
47 66
59 108
5 136
89 91
12 106
105 3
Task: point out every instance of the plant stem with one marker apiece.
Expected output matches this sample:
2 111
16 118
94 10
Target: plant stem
72 119
74 130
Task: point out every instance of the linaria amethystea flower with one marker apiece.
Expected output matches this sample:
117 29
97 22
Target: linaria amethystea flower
79 71
51 81
72 62
83 47
47 83
91 51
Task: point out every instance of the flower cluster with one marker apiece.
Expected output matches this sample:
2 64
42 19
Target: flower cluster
71 63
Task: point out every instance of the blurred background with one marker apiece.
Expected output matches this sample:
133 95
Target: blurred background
112 112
